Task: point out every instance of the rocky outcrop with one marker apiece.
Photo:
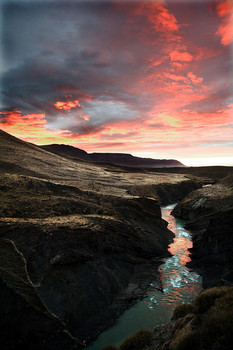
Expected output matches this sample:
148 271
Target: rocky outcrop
204 202
166 193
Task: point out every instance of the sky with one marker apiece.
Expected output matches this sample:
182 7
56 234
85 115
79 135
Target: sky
151 78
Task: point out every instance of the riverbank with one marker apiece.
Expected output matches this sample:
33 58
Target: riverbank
177 284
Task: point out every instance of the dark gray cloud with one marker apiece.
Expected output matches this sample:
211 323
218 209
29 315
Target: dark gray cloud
109 57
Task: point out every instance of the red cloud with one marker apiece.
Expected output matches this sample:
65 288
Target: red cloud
85 116
159 16
30 127
224 10
176 77
194 78
180 56
67 105
14 118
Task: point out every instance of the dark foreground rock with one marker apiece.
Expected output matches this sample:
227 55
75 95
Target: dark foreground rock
25 320
209 212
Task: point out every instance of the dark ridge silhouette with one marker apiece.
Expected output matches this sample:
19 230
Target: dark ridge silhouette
122 159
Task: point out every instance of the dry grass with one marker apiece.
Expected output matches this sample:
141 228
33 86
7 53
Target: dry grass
205 300
182 310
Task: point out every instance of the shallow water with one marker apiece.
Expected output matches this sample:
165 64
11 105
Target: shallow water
180 285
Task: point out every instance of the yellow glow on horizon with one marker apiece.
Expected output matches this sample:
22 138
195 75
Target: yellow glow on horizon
208 161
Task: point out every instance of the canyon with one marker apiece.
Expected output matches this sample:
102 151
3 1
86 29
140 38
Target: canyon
79 242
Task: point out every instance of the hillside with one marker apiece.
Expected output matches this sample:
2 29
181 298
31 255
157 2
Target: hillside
121 159
90 236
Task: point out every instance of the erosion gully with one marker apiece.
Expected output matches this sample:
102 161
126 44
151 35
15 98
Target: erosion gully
179 285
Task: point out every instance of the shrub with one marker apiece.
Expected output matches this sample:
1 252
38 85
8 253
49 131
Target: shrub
214 310
182 310
109 347
206 299
187 340
218 320
137 341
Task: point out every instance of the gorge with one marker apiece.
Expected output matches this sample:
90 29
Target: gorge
177 285
81 242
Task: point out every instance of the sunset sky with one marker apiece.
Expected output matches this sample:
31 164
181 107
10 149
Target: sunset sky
150 78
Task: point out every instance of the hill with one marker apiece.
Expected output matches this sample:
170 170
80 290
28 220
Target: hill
121 159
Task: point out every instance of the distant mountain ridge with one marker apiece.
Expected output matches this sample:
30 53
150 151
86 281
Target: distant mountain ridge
122 159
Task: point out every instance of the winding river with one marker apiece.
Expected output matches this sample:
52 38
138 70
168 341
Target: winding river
180 285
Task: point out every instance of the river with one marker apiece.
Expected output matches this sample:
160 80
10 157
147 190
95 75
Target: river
180 285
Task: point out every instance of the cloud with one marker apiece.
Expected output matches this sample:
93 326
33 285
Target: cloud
152 73
194 79
180 56
67 105
159 16
109 145
85 117
224 10
86 129
30 127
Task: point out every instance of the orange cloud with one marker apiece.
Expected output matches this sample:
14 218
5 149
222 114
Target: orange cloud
159 16
224 10
85 116
67 105
30 127
194 78
180 56
160 134
176 77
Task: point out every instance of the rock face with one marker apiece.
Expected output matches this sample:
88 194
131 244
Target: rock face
168 193
88 238
204 202
25 320
212 249
210 214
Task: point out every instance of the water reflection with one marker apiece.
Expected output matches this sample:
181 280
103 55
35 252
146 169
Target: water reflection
179 286
178 282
